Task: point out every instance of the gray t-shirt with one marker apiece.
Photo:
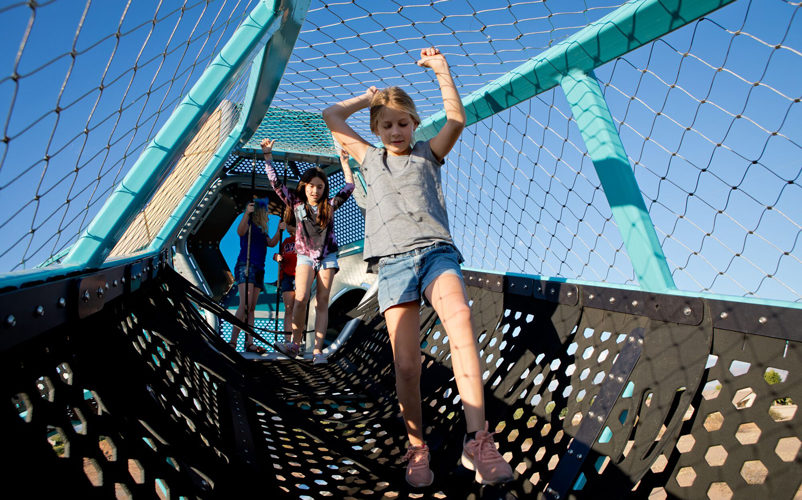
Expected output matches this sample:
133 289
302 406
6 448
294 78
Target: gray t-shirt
405 208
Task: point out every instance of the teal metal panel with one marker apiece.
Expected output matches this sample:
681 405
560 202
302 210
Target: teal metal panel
618 180
147 173
266 72
632 25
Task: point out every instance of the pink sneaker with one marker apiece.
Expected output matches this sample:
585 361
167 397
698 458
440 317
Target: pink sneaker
419 474
480 455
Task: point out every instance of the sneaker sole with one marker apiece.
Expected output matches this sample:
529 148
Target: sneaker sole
468 464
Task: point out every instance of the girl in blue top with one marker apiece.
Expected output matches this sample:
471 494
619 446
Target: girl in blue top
251 270
407 238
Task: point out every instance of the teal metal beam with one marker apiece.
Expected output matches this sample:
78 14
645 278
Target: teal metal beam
605 148
632 25
266 72
147 173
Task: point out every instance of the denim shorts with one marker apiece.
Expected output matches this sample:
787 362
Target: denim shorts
328 262
288 283
256 277
404 277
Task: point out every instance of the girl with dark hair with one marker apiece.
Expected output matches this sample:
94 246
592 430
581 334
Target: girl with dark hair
315 245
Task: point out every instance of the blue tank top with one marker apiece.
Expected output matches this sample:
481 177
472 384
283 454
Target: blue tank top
258 247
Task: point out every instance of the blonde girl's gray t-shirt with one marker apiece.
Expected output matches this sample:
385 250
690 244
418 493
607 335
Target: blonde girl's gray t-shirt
405 207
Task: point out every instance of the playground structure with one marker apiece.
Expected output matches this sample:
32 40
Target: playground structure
630 232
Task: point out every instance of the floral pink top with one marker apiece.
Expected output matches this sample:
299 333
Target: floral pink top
311 239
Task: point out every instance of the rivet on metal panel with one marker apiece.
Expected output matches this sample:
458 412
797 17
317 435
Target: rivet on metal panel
62 302
85 296
591 296
762 320
687 311
11 320
634 303
612 300
39 311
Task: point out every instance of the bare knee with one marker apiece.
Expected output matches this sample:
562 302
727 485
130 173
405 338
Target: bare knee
408 369
457 314
301 300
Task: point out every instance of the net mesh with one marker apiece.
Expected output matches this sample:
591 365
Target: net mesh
84 89
709 116
706 115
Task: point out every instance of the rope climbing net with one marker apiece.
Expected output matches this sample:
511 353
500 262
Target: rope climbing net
708 116
84 89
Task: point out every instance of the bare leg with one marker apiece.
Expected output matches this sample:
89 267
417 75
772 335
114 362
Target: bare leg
324 280
289 303
447 294
253 297
304 275
241 315
403 325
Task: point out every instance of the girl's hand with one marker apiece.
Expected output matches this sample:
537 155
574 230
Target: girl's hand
267 146
344 157
282 225
370 92
278 257
431 57
250 208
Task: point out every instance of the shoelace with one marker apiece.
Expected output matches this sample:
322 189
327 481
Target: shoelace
416 455
485 447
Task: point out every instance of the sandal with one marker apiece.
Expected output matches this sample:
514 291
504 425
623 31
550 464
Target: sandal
255 348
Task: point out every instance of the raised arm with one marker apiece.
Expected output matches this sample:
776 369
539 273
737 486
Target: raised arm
455 113
242 227
335 117
280 189
342 196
